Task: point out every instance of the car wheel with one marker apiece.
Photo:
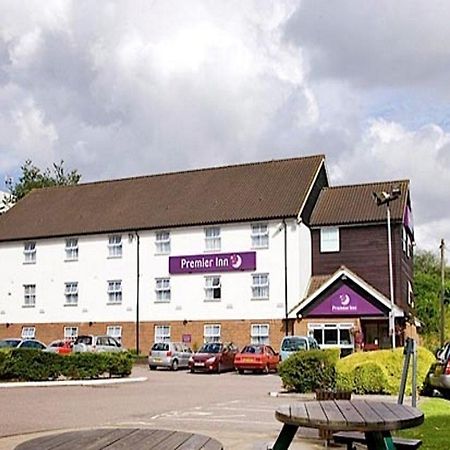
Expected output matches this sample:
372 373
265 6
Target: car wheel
192 370
445 394
174 365
152 367
241 371
219 367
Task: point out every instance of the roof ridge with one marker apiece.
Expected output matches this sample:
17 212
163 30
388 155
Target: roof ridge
177 172
405 180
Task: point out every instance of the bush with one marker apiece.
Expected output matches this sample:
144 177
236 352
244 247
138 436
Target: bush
306 371
35 365
387 366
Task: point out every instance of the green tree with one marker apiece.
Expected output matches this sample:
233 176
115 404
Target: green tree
33 177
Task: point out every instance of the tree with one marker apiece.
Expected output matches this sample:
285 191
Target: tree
34 178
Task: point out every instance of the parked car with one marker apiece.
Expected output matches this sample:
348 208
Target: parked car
257 358
439 374
61 346
174 355
22 343
213 357
91 343
292 344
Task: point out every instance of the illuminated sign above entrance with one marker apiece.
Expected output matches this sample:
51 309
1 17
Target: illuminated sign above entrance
345 302
212 262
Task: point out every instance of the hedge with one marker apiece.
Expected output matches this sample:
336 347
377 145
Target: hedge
306 371
35 365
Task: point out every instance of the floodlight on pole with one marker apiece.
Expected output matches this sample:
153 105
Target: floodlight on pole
384 198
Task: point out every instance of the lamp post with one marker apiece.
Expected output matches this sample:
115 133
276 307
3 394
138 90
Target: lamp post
384 198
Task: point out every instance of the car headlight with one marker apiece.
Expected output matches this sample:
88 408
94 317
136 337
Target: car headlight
211 360
191 359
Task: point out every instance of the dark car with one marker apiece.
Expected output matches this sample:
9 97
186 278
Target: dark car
22 343
439 373
213 357
257 358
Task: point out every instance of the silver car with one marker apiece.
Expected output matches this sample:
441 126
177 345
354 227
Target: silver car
439 374
91 343
169 354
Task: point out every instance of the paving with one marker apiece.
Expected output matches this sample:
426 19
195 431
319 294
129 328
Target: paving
238 410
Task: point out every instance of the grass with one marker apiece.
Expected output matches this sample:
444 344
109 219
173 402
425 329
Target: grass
434 432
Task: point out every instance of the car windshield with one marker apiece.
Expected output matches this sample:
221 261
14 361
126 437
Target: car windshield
252 349
213 347
9 343
160 347
294 344
87 340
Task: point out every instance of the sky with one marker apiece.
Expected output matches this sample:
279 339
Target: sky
120 88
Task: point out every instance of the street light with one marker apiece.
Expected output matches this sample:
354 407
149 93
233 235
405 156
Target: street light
384 198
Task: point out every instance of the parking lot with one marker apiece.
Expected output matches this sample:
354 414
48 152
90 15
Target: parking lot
235 409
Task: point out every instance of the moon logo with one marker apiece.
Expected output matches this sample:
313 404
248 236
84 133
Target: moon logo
236 261
345 299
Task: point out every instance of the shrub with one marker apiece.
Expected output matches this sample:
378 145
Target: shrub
369 378
119 364
306 371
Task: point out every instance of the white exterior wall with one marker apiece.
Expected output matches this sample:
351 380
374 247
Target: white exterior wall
93 270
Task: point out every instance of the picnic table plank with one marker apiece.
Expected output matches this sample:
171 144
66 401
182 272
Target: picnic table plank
198 441
332 413
136 440
315 413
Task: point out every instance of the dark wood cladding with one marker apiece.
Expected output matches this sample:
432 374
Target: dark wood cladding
364 250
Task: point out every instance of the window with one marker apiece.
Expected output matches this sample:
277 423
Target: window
162 242
29 251
211 333
329 239
260 286
115 246
71 293
29 298
162 289
260 334
114 331
115 291
212 239
28 332
260 235
332 334
410 294
404 240
70 333
71 249
162 333
212 288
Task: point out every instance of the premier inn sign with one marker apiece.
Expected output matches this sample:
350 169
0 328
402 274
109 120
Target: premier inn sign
212 262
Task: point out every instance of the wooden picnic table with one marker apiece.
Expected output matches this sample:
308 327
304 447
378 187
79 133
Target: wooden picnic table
374 418
122 438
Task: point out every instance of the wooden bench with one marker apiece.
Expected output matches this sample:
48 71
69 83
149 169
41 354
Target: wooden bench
347 437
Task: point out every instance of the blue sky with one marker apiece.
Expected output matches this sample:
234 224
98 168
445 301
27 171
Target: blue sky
119 88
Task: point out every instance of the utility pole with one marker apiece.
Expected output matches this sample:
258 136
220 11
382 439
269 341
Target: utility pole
442 334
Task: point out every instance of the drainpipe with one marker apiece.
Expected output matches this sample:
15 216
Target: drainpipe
286 312
138 276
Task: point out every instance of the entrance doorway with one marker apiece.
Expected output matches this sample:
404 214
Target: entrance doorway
376 334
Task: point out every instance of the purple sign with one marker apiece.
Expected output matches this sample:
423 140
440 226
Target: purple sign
217 262
345 302
186 338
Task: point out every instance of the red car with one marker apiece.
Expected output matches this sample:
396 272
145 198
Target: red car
213 357
63 347
257 358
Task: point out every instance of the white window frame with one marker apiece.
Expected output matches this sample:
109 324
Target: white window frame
329 240
71 293
259 333
410 294
71 249
115 246
260 286
29 251
29 295
28 332
211 332
213 284
404 240
162 290
114 292
332 326
70 333
114 331
213 240
162 333
260 235
162 242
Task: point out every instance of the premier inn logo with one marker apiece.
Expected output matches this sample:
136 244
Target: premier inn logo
343 304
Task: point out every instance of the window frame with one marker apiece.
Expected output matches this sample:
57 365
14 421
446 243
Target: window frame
70 336
258 337
211 289
115 246
263 288
213 336
328 245
323 326
162 242
110 331
29 254
70 294
260 238
165 335
29 296
71 251
30 335
163 293
213 242
114 291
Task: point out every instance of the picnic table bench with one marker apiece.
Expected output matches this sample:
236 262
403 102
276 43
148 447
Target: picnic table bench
122 438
